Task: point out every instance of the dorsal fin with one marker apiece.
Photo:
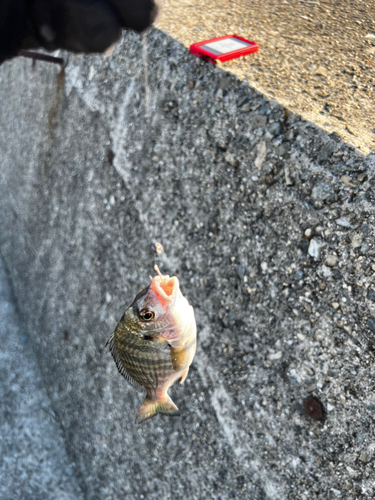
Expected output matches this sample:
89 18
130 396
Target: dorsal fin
120 367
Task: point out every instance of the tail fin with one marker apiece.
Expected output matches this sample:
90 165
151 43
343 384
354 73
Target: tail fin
150 408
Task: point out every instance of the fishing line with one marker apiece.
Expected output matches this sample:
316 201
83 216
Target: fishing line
155 247
152 429
145 76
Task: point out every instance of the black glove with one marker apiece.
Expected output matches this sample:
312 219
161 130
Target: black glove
77 25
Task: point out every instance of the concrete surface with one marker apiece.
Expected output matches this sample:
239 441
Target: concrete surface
33 460
268 223
316 57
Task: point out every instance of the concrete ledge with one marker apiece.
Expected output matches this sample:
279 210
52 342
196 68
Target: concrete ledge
267 221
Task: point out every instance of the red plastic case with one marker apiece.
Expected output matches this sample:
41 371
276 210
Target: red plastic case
215 49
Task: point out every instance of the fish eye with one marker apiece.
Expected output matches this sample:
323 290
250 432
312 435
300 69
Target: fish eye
147 315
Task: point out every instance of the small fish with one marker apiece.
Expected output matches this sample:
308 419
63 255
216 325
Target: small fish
154 343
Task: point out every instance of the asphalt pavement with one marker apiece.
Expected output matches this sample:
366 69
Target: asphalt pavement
316 57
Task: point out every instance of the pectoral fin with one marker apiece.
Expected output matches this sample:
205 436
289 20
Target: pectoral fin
177 357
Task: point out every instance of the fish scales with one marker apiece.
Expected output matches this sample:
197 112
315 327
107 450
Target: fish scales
154 343
146 366
140 353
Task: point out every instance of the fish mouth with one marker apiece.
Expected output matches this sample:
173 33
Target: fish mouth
166 289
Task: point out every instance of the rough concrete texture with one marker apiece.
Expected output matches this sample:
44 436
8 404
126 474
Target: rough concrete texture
33 463
268 223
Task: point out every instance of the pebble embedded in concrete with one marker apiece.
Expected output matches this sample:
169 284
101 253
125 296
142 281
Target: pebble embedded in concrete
275 356
356 241
321 192
314 248
343 222
331 260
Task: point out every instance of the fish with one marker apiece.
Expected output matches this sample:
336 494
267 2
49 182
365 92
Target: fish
154 344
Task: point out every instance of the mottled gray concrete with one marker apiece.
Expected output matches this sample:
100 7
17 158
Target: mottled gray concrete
268 223
33 460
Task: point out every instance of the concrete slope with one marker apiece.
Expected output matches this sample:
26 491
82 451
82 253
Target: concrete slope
33 464
268 223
